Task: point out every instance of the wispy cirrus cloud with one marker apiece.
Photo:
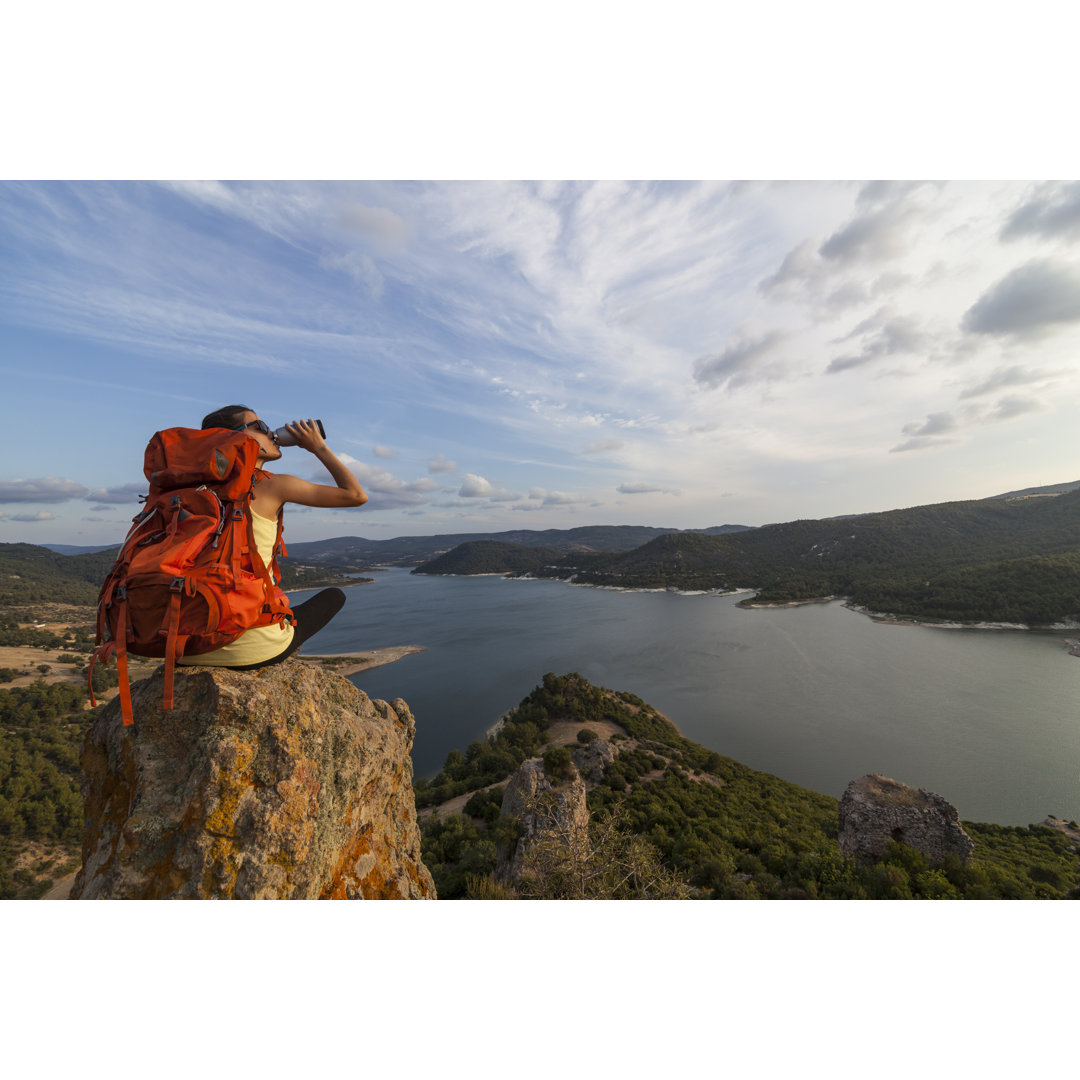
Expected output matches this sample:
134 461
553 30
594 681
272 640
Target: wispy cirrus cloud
1003 378
644 488
1050 212
746 360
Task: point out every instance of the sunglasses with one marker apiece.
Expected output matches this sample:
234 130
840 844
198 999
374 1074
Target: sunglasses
258 425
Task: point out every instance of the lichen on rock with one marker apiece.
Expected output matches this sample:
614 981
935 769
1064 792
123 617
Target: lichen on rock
283 783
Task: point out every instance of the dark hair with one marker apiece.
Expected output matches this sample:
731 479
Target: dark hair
225 417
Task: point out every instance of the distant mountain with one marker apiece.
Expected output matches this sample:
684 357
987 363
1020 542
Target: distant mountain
73 549
415 550
1049 489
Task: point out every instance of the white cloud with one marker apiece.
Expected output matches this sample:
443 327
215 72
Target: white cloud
742 362
439 464
641 488
41 515
1016 375
383 452
476 487
385 490
935 424
921 444
555 498
1050 212
884 334
1028 301
603 446
126 493
45 489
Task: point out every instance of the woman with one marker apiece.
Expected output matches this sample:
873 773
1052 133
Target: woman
265 645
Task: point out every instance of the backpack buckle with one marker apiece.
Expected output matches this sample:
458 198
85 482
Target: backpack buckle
177 585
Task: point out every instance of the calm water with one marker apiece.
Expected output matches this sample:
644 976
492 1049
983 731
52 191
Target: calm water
818 695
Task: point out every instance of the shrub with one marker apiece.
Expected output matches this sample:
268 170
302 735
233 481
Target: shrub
586 736
558 763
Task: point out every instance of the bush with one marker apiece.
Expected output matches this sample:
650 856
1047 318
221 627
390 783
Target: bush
586 736
558 764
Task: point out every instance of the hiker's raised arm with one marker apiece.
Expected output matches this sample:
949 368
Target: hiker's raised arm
280 488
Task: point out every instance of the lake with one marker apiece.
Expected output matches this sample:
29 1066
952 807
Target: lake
817 694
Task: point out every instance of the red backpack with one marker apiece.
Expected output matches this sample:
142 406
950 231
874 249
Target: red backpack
189 577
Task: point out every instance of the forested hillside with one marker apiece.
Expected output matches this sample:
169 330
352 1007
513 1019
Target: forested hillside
729 831
1004 560
31 574
491 557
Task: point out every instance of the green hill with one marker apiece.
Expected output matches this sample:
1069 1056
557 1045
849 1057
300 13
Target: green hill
730 831
31 574
491 557
1001 560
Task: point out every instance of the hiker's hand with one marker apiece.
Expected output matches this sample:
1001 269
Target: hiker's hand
306 433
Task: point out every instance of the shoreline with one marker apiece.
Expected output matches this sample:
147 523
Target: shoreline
352 662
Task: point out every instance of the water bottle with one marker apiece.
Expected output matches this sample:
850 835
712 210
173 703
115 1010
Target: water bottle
283 437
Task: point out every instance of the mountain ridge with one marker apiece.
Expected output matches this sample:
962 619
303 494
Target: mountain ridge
991 560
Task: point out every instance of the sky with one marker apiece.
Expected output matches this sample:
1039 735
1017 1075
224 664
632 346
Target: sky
493 355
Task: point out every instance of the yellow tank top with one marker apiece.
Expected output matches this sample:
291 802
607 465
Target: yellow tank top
260 642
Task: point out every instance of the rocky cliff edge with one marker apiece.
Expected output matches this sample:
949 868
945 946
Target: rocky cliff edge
283 783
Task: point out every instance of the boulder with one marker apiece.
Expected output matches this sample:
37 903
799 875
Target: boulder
875 810
593 758
287 782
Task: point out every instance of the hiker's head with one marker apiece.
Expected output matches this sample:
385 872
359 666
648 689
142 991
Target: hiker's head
241 418
227 417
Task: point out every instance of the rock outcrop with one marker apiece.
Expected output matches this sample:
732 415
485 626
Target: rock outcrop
541 808
875 810
593 758
287 783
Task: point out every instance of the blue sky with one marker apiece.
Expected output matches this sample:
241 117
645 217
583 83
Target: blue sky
498 355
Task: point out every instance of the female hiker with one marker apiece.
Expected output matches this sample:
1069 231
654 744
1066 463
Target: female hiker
265 645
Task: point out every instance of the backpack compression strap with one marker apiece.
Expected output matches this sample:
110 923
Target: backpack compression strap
174 640
117 645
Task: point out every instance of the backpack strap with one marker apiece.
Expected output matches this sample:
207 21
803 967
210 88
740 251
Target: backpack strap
257 564
104 653
174 640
